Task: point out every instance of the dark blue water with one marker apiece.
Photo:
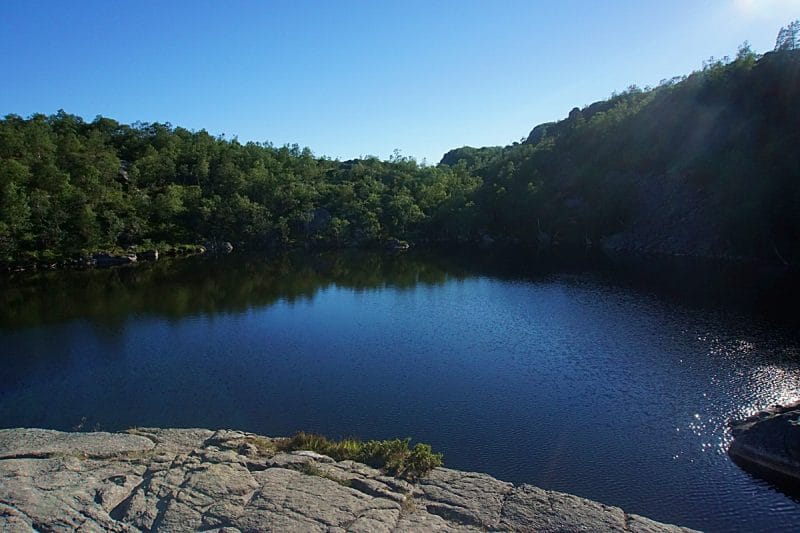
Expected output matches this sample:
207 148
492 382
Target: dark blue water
570 379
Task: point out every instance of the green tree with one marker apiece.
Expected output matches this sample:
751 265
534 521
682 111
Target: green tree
788 37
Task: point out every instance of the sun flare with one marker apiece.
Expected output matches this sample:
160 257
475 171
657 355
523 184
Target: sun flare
768 8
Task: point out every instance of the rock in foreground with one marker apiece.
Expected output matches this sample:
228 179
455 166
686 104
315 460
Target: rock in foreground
196 479
768 444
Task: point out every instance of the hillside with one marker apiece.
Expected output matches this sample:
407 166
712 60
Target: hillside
70 187
704 165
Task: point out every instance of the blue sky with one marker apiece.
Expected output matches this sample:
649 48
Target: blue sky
351 78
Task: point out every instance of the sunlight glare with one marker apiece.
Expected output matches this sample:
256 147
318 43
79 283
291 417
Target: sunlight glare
772 9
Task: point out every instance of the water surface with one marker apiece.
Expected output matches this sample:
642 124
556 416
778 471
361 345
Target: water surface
572 379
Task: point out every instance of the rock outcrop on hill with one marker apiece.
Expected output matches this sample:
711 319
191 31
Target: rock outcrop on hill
196 479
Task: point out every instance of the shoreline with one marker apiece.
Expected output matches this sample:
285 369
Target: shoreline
624 257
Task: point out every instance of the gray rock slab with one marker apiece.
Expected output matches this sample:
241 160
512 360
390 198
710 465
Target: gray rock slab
174 440
45 442
465 498
229 481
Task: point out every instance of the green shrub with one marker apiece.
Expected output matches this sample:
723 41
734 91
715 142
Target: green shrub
393 456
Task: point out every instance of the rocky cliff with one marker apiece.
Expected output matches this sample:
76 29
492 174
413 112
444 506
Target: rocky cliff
196 479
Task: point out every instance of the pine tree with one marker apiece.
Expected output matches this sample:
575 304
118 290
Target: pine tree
789 37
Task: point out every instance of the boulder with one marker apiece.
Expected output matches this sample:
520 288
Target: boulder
148 255
767 444
396 244
218 247
539 132
107 260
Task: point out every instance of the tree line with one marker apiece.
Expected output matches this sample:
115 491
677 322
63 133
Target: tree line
68 186
712 155
726 134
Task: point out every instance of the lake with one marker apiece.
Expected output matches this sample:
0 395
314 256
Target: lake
567 375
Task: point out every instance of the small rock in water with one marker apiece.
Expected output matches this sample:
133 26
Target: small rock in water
767 444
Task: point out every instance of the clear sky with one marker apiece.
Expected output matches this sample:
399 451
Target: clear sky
350 78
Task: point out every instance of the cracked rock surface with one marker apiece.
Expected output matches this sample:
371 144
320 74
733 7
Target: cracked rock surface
230 481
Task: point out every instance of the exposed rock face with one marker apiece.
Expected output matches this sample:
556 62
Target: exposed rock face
107 260
219 247
768 443
669 217
396 244
196 479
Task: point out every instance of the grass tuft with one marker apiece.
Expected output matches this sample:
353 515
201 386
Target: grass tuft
264 445
395 456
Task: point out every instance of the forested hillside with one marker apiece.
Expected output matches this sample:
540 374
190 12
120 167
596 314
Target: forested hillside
705 165
69 186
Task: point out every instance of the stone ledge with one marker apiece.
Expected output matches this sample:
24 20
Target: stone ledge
195 479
